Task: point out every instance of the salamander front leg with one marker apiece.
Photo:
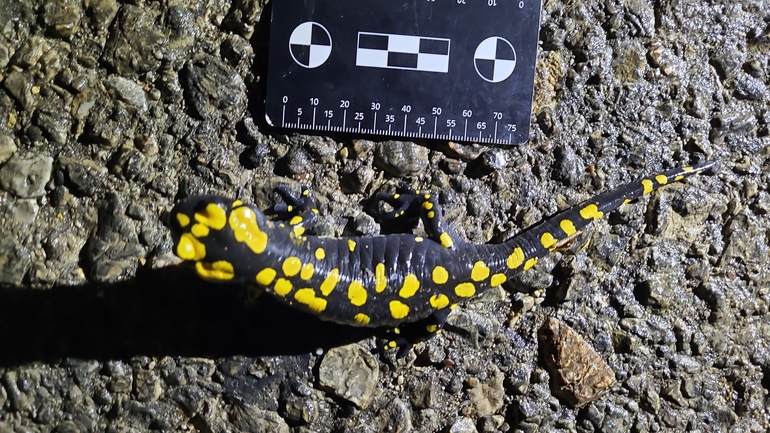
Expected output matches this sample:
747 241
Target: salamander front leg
300 210
404 337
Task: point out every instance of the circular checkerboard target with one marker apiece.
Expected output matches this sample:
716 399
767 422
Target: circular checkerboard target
310 44
495 59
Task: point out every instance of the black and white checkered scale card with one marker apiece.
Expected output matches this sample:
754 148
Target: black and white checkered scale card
460 70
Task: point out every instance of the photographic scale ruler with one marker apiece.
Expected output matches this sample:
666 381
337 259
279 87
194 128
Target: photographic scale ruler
460 70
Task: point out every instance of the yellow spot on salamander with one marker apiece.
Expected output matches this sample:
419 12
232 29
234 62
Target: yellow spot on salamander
446 240
440 275
199 230
213 216
237 203
531 262
351 245
418 239
431 328
266 276
410 287
465 290
392 344
662 179
684 170
307 271
182 219
567 227
427 196
439 301
291 266
356 293
647 186
591 212
427 205
221 270
307 296
320 253
380 281
398 310
330 282
282 286
190 248
497 279
480 271
362 318
516 258
296 220
431 214
547 240
298 231
243 223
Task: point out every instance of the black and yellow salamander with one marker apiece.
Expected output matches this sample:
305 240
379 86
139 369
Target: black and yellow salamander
398 281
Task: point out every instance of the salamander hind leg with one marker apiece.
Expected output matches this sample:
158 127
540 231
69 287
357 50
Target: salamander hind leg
413 204
404 337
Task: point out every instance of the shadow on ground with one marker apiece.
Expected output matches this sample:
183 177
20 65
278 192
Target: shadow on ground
167 312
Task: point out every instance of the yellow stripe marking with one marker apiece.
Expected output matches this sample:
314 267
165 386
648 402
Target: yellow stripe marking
591 212
291 266
221 270
480 271
213 216
362 318
531 262
567 227
398 310
380 281
282 286
465 290
410 287
439 301
307 296
356 293
183 220
351 245
330 282
446 240
307 271
497 279
516 258
190 248
266 276
647 186
440 275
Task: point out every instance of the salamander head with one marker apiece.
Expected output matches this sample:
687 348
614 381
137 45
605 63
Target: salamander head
220 235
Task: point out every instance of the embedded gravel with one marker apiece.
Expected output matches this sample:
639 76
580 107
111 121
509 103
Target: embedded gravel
112 111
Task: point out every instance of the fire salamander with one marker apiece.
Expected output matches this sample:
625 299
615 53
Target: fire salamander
402 282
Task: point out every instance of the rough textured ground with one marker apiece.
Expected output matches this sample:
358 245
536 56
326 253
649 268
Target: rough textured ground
110 112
